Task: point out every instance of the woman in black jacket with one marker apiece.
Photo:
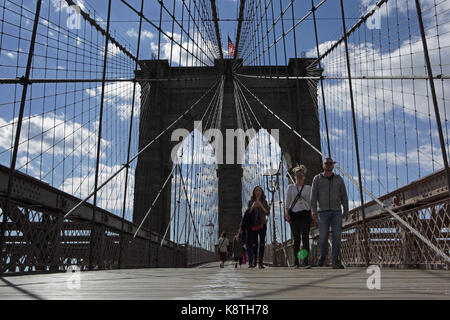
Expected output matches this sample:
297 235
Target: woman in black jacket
255 224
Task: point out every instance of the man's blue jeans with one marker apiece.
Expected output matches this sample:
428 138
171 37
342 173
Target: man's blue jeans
333 218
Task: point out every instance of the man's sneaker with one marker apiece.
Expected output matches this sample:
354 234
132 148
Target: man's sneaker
321 262
297 266
338 266
307 267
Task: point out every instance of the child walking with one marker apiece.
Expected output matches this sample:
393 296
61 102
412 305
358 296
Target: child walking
223 248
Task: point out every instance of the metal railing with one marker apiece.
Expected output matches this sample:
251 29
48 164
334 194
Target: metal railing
424 204
39 239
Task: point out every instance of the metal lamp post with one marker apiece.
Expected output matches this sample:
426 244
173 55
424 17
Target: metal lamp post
210 225
272 185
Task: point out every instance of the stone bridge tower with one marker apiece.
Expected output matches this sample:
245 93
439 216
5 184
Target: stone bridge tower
164 100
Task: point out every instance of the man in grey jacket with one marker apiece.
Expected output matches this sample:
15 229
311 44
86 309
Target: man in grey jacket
328 191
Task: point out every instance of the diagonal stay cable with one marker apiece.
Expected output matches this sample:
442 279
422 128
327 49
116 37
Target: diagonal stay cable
395 215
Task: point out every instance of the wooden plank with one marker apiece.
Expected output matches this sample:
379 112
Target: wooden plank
211 282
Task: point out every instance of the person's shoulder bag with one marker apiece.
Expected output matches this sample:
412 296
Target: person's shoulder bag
221 243
299 194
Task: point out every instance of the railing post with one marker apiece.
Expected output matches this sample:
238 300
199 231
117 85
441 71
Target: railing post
25 83
102 102
358 161
433 93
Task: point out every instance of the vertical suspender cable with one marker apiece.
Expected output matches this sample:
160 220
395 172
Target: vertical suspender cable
366 243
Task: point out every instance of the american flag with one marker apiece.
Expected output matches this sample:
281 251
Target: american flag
230 47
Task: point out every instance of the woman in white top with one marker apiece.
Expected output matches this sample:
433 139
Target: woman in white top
298 214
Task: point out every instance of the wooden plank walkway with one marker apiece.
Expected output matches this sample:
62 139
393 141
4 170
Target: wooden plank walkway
211 282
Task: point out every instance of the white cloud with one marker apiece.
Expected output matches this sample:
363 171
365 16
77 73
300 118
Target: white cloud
124 111
118 95
11 55
111 196
372 96
145 34
119 89
405 59
113 50
132 33
178 53
52 133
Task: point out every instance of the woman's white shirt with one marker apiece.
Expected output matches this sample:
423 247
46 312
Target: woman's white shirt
303 203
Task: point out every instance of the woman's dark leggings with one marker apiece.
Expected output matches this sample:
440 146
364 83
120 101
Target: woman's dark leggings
300 227
256 240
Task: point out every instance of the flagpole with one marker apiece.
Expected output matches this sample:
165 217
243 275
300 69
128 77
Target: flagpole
228 46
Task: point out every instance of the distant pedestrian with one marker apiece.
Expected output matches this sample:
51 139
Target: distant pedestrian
238 249
223 248
298 214
328 191
254 223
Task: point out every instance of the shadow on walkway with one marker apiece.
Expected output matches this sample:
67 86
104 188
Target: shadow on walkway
28 293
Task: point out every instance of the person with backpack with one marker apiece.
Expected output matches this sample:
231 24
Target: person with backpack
238 248
223 248
255 224
298 214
